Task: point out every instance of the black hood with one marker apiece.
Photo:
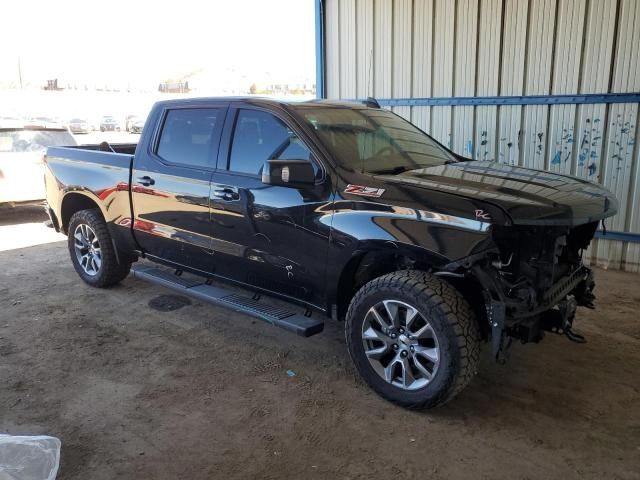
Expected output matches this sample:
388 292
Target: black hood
528 197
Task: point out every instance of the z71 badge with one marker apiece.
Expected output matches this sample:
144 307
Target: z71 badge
364 191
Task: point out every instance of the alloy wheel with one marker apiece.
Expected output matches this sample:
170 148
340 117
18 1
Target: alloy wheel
87 249
400 344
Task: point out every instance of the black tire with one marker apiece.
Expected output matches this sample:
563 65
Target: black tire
110 271
450 317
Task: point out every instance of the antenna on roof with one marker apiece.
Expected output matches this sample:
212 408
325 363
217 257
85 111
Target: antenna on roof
370 82
371 102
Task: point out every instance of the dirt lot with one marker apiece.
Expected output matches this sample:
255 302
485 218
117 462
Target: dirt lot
201 392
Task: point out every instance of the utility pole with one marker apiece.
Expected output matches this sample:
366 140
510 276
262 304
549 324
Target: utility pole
20 73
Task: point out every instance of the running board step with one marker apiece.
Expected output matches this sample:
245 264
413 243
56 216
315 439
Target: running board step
278 316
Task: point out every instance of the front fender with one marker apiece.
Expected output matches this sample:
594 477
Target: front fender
426 237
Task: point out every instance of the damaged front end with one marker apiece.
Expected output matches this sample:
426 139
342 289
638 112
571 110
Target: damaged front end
532 281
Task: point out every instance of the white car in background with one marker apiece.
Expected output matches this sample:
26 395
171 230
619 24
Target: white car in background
79 125
44 122
21 160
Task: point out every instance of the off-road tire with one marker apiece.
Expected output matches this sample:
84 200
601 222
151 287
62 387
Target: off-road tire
111 271
450 316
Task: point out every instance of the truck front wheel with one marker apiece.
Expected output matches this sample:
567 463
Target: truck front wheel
92 251
413 338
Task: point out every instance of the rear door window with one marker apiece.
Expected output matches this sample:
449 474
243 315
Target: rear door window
189 136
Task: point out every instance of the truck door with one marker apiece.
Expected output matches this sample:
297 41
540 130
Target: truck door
271 237
171 183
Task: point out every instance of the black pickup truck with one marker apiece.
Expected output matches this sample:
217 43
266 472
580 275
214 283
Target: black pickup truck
342 211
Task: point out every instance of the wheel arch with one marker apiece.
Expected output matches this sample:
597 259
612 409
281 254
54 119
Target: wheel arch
74 202
367 263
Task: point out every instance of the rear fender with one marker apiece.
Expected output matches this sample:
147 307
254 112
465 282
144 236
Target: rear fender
90 179
75 201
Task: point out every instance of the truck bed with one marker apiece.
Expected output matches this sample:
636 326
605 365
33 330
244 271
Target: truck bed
128 148
97 153
89 172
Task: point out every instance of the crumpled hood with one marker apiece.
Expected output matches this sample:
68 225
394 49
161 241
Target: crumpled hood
529 197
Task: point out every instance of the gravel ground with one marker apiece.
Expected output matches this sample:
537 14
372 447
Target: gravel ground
202 392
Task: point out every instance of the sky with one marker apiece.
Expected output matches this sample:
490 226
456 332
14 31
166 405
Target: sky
139 43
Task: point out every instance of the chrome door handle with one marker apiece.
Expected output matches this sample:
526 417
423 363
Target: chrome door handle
145 181
226 193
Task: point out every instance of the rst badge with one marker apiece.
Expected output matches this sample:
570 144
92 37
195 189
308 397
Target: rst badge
364 191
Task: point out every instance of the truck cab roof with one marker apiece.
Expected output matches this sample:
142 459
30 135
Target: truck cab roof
260 101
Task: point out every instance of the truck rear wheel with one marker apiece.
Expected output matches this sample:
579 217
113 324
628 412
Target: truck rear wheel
413 338
92 251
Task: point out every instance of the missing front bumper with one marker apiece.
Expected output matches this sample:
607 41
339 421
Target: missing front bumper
554 311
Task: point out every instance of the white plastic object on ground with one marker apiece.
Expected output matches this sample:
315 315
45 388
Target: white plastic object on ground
29 458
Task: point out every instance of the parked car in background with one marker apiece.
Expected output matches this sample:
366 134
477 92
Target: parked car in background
79 125
21 166
94 123
136 125
44 122
127 122
109 124
5 119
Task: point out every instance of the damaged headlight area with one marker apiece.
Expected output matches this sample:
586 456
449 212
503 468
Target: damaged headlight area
533 280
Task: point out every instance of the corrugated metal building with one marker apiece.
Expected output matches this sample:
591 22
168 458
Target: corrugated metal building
548 84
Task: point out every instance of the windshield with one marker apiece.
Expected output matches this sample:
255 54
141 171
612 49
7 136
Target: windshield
373 140
33 140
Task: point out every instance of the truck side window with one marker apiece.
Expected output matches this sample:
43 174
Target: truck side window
187 135
260 136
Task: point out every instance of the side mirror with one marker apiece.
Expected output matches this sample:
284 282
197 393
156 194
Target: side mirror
288 173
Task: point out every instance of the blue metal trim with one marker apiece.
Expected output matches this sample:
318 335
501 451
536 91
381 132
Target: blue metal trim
621 236
320 51
591 98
